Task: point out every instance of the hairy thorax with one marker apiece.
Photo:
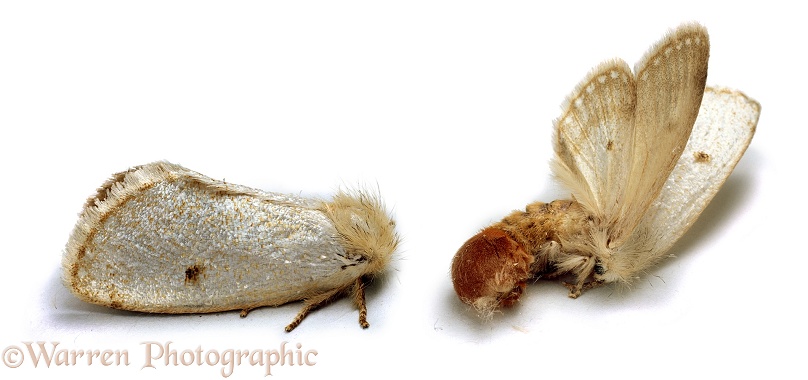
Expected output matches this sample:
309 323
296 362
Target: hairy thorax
550 232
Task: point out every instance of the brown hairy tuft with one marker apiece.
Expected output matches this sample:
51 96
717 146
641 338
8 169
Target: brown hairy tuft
490 271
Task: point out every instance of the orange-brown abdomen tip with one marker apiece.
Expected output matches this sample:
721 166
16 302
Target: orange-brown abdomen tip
490 270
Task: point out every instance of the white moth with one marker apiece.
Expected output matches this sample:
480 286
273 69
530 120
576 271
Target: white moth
642 153
160 238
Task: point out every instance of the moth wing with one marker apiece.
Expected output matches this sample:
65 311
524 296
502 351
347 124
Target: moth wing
162 238
593 137
670 83
722 132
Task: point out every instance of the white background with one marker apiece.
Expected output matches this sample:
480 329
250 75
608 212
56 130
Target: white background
447 107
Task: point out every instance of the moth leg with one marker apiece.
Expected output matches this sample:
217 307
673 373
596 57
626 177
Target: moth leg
311 304
593 284
577 289
359 300
244 312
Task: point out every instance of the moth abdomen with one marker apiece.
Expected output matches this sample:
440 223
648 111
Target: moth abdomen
491 269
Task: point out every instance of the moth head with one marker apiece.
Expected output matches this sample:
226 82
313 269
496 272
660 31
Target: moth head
604 270
365 227
490 271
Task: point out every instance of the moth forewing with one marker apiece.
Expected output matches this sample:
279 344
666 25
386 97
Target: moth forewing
165 239
592 138
670 82
721 134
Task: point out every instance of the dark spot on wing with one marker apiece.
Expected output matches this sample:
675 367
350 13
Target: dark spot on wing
702 157
192 274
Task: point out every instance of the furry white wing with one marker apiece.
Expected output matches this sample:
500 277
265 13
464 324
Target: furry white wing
725 125
593 137
162 238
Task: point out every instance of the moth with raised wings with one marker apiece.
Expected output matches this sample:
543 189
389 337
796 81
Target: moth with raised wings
642 153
